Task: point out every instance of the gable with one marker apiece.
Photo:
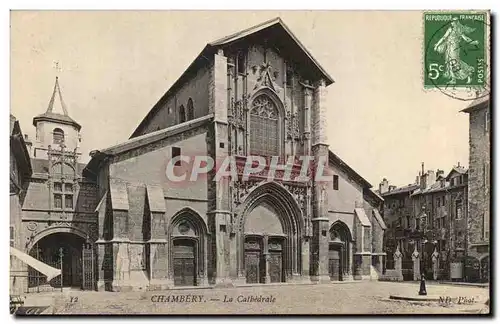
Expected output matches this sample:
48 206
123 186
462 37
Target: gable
275 32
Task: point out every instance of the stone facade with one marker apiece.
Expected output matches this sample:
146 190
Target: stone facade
155 233
478 221
57 210
20 173
431 217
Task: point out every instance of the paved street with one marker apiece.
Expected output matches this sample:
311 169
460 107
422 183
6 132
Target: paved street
341 298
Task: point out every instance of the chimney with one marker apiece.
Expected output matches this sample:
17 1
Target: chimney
439 173
458 164
383 187
423 181
431 178
391 188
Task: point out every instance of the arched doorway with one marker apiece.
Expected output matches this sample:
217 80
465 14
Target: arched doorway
58 250
270 226
338 251
187 238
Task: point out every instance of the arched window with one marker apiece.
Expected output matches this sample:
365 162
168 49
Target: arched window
182 114
240 61
264 127
58 136
190 109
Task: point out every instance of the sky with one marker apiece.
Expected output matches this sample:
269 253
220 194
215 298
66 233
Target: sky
113 66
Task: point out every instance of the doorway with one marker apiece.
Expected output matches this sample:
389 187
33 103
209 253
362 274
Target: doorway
275 250
58 250
254 260
184 262
334 262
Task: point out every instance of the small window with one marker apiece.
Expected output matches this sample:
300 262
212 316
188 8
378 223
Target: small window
176 151
438 201
57 186
68 187
240 63
335 182
190 109
289 77
182 114
458 209
486 226
58 136
68 201
57 201
12 236
486 121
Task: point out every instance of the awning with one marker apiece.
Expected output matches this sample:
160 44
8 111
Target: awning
41 267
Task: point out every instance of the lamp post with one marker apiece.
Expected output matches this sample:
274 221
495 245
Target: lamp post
61 253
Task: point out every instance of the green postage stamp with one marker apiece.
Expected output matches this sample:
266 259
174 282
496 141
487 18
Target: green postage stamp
455 49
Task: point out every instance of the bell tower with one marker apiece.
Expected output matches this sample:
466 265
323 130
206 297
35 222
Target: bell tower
55 129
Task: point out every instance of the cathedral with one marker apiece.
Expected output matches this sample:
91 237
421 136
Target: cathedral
258 92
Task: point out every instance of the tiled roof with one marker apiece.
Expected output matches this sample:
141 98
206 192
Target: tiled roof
400 190
50 116
460 170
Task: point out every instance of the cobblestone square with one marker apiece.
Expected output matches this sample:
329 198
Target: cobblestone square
333 299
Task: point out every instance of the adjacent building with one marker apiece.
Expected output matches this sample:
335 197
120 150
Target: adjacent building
428 216
478 221
20 173
57 216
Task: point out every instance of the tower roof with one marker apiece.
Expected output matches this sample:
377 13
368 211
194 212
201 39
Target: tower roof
52 115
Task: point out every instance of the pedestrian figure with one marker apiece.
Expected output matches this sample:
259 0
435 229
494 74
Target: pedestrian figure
422 291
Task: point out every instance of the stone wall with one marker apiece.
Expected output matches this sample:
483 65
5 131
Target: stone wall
479 164
168 114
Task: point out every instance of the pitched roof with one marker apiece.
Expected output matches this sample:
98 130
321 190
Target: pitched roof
400 190
276 22
333 158
456 169
477 104
135 142
18 146
274 27
379 219
57 117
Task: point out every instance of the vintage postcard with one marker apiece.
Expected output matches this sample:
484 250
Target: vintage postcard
237 162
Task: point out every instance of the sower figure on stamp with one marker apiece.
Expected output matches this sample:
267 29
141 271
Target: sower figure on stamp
449 46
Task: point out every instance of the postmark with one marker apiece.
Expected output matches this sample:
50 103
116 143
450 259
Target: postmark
456 48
